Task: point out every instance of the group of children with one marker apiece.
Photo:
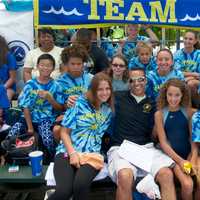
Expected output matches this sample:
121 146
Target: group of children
45 100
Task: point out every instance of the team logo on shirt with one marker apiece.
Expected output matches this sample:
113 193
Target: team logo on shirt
18 49
147 108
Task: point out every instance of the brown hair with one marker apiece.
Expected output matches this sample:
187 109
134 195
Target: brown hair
167 50
196 35
92 92
162 98
46 30
109 71
76 51
3 51
143 45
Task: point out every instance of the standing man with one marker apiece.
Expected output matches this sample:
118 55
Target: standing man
46 45
134 121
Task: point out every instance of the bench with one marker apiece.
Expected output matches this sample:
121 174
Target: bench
21 185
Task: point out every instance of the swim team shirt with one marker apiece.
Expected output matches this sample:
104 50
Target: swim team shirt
74 86
196 127
135 63
155 81
187 62
87 125
40 108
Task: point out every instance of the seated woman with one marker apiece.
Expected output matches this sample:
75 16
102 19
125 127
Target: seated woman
187 60
8 68
78 158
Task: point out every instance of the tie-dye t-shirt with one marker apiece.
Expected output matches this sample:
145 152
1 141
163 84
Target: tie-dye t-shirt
155 81
128 49
196 127
187 62
136 63
74 86
40 108
108 48
87 125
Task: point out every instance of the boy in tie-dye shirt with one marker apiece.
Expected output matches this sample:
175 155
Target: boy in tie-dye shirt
144 60
75 81
40 100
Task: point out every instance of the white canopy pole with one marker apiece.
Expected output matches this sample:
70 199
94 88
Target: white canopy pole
163 43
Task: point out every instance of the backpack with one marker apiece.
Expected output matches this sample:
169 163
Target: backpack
18 147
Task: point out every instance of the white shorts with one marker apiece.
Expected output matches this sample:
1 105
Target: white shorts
116 163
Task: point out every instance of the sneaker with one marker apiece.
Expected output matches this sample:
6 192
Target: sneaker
148 186
48 193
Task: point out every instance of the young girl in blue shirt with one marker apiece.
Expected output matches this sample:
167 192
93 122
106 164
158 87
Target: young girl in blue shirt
188 59
78 158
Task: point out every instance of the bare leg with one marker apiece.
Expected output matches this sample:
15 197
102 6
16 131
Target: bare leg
166 181
186 183
56 132
197 192
124 184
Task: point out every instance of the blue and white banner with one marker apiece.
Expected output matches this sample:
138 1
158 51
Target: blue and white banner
97 13
17 28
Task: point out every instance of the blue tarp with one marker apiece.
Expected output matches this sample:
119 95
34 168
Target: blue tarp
183 13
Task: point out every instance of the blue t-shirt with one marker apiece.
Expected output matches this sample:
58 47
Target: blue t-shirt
4 102
74 86
187 62
155 81
87 125
128 49
119 85
196 127
5 69
135 63
40 108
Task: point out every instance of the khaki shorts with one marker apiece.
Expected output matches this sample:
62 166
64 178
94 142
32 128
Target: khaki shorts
116 163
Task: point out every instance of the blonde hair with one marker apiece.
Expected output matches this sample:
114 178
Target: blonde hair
143 45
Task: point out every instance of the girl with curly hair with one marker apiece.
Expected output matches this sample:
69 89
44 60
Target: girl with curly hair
172 122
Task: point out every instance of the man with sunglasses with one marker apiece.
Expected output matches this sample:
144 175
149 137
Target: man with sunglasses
134 121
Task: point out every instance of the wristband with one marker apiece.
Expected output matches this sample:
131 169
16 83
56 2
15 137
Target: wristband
72 153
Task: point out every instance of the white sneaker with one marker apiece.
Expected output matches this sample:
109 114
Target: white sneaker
48 193
148 186
4 127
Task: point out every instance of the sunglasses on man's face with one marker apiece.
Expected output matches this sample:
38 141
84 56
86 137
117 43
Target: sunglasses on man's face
139 79
118 65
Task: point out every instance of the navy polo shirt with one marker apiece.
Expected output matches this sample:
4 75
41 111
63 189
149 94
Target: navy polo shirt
133 121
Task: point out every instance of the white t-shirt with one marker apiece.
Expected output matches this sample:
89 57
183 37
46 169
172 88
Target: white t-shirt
32 57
